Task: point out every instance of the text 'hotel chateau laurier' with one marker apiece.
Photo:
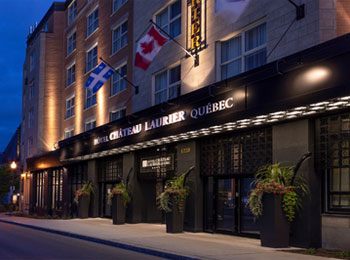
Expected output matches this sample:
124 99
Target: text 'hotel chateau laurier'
229 91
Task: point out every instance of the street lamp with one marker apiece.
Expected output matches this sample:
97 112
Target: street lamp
13 167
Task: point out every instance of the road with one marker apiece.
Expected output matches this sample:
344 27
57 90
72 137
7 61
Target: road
18 243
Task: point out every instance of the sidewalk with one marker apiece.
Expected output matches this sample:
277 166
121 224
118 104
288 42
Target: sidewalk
153 236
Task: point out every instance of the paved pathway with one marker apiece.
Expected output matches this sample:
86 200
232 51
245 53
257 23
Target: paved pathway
153 236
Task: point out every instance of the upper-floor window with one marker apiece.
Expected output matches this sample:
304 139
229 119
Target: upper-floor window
32 61
31 90
169 19
119 37
117 4
117 114
91 59
70 106
68 132
118 81
90 124
30 146
92 22
31 118
70 75
72 12
71 43
167 85
90 98
243 52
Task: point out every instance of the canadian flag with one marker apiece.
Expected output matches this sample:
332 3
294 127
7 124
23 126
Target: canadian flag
148 47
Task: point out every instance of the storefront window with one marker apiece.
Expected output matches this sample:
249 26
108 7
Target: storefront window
334 160
57 188
40 185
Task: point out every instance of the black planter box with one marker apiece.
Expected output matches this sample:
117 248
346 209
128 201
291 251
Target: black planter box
83 207
274 230
175 218
118 210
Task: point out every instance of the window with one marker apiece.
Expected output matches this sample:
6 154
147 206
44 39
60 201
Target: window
120 37
90 98
90 124
70 75
118 82
31 118
30 146
170 19
91 59
70 107
333 147
31 91
40 185
117 114
243 52
71 43
167 85
69 132
117 4
92 22
57 189
72 12
32 61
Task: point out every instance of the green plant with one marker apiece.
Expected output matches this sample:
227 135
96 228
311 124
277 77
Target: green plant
86 190
174 187
121 189
311 251
276 179
345 255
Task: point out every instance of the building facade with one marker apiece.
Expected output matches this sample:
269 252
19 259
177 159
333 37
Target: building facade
267 88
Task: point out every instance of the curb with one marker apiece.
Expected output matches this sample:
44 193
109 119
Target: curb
142 250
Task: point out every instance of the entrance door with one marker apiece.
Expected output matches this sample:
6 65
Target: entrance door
226 208
106 209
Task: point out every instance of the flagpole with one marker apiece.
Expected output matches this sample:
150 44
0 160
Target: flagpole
116 71
172 38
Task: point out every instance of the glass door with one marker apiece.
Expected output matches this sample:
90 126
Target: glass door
226 205
248 223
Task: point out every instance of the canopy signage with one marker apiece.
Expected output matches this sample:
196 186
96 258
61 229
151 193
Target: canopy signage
157 164
170 119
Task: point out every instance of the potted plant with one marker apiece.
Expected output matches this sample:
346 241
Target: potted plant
172 200
82 199
119 198
275 199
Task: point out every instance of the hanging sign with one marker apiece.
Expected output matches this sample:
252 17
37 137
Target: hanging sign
196 11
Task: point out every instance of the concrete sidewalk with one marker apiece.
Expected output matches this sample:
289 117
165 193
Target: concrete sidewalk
153 238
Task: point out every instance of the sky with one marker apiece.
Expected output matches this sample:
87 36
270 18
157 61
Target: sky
16 18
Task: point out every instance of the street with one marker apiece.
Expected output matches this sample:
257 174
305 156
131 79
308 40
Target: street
24 243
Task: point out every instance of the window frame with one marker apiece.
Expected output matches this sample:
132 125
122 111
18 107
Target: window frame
70 107
72 15
119 26
170 20
114 8
92 97
89 122
169 86
32 61
68 73
74 43
244 53
119 68
90 28
68 132
93 66
118 110
31 118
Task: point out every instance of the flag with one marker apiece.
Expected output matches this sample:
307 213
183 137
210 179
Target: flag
98 77
231 10
148 47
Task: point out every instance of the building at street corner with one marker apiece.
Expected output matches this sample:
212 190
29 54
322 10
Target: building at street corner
263 86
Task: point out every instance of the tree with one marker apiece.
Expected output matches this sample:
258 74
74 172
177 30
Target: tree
6 179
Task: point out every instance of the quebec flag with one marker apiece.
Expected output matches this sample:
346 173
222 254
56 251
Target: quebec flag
98 77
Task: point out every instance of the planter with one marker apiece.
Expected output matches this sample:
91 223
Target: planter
118 210
274 230
175 218
83 207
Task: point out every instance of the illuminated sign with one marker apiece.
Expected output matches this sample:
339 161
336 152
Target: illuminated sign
196 10
173 118
154 164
